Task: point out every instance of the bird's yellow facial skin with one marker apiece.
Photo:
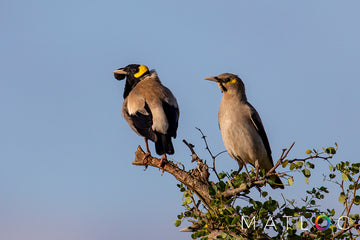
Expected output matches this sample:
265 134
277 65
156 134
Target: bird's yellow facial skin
232 81
142 69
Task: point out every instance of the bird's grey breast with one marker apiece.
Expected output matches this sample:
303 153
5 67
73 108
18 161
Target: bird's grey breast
239 135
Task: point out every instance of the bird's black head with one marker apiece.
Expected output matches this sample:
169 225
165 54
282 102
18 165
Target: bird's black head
134 73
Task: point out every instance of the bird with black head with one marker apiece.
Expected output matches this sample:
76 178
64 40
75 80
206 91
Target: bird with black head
150 108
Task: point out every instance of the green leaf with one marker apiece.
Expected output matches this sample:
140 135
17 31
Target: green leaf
310 165
187 201
177 223
222 175
342 198
344 177
357 200
212 190
308 151
285 163
229 220
187 194
306 180
271 181
264 194
292 166
306 172
354 169
298 225
331 176
299 164
330 150
290 181
221 186
235 220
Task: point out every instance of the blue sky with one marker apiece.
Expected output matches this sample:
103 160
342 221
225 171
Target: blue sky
66 151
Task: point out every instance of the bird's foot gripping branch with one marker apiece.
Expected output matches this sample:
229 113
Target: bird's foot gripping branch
228 205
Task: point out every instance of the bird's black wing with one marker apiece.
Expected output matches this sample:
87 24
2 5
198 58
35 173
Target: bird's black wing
255 117
172 115
142 122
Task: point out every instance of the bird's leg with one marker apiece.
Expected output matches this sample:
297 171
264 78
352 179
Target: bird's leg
257 168
163 160
240 167
148 153
247 172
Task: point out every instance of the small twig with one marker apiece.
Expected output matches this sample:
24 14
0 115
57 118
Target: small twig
283 151
233 192
220 153
206 144
353 198
193 153
195 205
316 156
346 203
282 157
212 156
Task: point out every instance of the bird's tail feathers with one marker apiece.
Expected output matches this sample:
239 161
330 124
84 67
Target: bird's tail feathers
164 144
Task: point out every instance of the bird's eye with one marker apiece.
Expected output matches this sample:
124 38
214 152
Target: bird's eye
227 80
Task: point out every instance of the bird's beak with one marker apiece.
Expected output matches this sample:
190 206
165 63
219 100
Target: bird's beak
120 74
214 79
120 71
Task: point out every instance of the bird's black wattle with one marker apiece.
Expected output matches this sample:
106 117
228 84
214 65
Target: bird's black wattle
130 84
119 76
223 88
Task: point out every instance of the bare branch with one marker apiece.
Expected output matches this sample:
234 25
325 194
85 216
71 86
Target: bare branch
206 144
233 192
212 156
282 157
194 156
199 187
353 198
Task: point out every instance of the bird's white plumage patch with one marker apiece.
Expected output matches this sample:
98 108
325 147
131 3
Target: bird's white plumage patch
137 104
160 123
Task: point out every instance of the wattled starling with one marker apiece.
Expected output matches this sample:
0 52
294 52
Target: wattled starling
241 128
150 108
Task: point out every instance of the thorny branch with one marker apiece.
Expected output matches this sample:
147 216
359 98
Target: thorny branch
197 180
199 187
208 149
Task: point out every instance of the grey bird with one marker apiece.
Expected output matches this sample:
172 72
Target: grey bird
149 108
241 128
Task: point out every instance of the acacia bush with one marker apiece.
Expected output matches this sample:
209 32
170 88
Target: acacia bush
231 206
